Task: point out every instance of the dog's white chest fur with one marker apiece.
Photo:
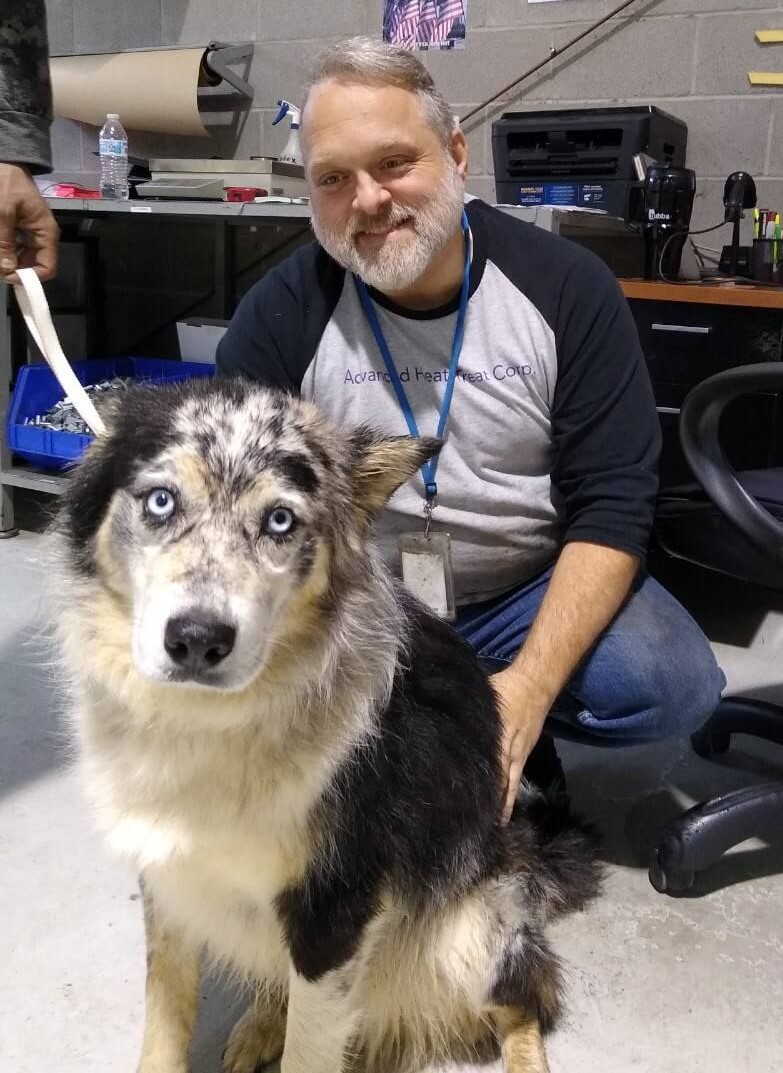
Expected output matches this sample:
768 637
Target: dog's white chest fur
222 896
217 826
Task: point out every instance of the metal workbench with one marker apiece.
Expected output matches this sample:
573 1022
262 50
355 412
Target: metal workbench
575 224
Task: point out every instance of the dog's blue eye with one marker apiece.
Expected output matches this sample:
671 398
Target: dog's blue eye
279 522
160 504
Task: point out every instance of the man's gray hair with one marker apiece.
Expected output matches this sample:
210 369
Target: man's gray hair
374 63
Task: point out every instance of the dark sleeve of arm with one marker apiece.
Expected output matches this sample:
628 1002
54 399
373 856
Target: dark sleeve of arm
25 91
604 422
259 336
275 332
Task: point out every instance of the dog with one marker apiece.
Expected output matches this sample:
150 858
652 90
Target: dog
302 762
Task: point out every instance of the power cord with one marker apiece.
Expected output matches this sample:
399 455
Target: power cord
717 276
678 234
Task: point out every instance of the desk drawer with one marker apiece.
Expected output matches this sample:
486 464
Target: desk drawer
685 343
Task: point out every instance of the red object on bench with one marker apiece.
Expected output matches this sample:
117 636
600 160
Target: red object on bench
244 193
73 190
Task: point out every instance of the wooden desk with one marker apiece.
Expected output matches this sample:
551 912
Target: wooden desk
747 296
688 332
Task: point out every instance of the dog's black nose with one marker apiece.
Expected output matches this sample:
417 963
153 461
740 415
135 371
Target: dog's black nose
198 642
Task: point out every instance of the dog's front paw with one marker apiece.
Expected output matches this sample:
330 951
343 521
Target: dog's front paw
255 1042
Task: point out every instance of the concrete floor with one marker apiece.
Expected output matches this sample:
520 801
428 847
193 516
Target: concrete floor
689 984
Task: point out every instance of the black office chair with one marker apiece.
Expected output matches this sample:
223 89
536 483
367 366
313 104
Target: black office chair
732 523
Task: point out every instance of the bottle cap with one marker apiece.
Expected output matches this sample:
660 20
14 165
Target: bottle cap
112 115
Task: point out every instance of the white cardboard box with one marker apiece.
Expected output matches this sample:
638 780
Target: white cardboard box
199 337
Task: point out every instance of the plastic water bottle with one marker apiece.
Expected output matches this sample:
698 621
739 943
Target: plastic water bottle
113 148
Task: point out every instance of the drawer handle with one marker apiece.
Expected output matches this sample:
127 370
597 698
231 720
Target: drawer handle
689 329
668 409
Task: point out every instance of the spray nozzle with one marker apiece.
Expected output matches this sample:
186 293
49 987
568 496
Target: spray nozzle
286 108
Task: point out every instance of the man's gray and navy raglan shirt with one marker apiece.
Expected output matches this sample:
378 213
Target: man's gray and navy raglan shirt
553 434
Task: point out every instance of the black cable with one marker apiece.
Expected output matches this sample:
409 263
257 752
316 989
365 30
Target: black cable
678 234
553 54
719 276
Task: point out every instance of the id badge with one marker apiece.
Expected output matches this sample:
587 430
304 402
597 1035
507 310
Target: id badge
426 571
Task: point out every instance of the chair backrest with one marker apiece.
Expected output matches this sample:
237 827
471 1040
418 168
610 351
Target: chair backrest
700 437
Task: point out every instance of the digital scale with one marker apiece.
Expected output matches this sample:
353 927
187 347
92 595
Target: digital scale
201 188
207 180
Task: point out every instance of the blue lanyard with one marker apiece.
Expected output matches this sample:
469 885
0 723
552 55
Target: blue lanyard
429 469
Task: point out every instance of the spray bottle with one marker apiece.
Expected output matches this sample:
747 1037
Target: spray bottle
292 154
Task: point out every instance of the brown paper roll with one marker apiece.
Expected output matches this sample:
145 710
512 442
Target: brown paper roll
152 91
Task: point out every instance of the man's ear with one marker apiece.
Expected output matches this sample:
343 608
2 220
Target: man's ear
383 463
459 150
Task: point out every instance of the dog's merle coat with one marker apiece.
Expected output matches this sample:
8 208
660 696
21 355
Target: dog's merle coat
336 787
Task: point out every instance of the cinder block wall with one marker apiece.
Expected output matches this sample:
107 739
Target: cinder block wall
689 56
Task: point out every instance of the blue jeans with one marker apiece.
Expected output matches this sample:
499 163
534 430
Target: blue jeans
650 675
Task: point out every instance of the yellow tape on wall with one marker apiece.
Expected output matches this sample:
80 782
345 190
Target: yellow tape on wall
767 78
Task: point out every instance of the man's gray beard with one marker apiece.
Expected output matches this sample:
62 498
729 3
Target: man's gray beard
397 265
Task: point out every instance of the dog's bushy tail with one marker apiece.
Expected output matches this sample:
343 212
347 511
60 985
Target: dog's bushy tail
553 852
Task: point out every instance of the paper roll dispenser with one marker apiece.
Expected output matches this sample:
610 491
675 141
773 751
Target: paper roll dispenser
161 90
583 157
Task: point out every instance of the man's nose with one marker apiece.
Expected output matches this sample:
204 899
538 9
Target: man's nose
369 196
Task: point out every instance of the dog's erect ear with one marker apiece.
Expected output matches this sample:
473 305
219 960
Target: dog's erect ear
108 407
383 463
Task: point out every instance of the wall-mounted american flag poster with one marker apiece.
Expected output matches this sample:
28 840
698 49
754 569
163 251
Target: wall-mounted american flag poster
425 23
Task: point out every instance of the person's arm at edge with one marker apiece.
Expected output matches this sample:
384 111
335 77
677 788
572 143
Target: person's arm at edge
25 149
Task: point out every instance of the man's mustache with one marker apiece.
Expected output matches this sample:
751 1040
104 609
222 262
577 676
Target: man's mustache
373 225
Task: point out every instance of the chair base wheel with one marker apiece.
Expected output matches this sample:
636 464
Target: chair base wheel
668 881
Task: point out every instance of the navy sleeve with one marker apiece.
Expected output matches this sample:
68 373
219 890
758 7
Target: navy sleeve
275 331
605 428
604 422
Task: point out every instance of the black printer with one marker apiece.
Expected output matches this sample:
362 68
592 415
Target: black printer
582 157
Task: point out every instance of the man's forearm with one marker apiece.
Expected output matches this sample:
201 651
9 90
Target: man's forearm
589 584
25 92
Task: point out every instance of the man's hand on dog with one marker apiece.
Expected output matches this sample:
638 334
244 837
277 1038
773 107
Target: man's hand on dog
22 209
524 708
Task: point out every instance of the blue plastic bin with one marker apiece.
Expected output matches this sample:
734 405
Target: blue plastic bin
37 390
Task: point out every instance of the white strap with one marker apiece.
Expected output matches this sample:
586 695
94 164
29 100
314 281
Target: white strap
35 310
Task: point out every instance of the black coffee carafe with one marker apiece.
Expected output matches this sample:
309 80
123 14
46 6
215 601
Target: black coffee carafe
660 206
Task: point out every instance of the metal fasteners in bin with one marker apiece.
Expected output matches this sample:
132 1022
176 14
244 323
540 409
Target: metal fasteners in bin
37 393
62 417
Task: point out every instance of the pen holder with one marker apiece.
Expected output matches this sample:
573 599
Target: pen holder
765 259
